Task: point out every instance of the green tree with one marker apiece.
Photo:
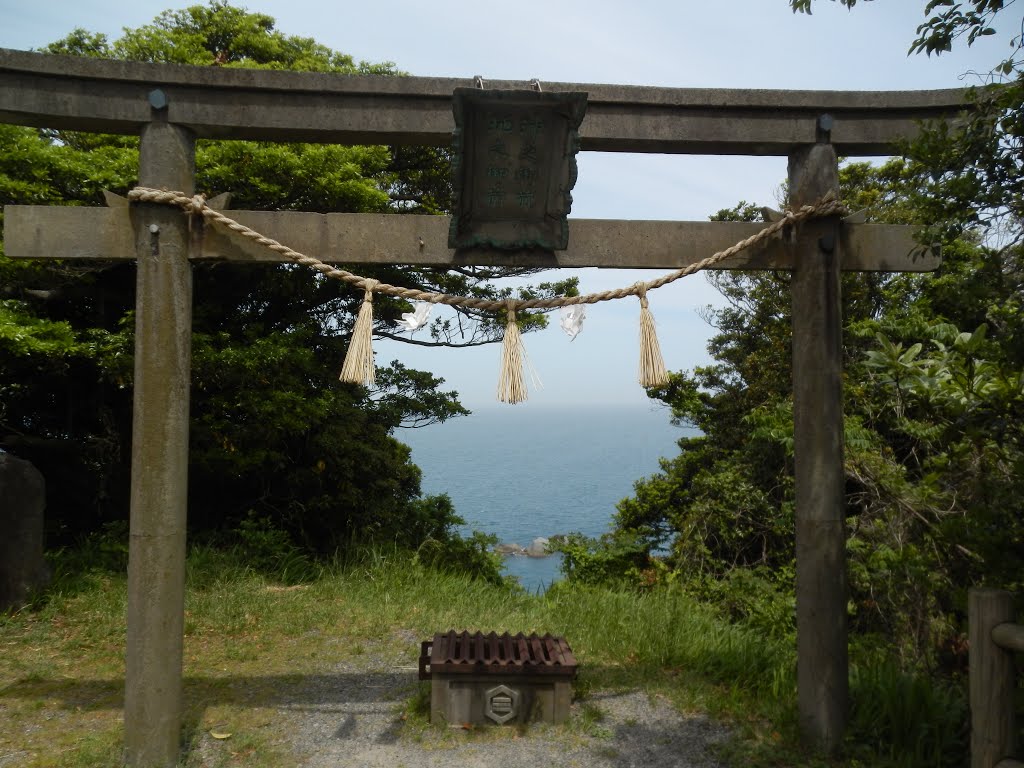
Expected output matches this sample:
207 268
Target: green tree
933 397
949 354
274 434
934 455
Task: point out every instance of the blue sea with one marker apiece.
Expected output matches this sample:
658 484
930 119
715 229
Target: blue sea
523 471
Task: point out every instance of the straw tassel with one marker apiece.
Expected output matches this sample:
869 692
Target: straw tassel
511 384
652 366
358 367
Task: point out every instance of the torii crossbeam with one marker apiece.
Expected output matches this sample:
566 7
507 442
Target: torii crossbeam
170 106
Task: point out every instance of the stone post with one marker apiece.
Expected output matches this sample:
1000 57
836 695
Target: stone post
156 552
822 661
991 680
22 501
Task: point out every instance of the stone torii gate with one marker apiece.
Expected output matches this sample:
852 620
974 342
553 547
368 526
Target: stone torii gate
170 106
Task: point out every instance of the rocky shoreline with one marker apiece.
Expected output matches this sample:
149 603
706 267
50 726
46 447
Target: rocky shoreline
539 547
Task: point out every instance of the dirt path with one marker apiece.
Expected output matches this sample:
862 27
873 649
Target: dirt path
352 715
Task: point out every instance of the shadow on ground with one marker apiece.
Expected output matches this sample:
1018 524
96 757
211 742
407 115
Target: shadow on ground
355 718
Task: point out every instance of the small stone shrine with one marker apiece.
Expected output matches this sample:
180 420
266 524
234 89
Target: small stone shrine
476 679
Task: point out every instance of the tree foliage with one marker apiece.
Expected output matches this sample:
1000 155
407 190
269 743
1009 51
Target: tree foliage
934 435
274 434
971 176
933 432
948 20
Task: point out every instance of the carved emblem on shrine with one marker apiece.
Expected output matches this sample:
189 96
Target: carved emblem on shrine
502 704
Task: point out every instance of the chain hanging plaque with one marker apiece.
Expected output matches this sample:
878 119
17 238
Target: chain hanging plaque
514 167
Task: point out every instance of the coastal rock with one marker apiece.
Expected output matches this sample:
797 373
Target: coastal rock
538 548
509 549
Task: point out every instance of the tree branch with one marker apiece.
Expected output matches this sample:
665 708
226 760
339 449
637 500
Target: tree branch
419 343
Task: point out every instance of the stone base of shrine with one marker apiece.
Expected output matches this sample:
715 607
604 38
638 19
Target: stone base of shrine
490 699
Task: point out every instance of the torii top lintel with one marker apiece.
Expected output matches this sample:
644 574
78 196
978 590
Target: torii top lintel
50 91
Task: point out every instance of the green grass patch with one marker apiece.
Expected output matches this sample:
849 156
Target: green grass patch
249 640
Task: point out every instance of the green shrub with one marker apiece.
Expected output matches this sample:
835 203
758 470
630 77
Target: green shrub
620 556
473 556
759 598
266 549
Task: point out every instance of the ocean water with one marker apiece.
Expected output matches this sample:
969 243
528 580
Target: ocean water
524 471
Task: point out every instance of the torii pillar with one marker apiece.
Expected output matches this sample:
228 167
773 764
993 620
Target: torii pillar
821 589
159 503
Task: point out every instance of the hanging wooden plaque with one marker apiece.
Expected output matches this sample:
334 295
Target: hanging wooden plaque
514 167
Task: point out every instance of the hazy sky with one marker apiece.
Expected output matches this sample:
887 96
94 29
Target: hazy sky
676 43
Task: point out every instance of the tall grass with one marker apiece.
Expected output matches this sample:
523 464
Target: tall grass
605 626
906 718
666 629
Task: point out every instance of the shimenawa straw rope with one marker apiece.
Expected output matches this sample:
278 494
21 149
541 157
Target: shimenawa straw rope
511 383
358 367
652 368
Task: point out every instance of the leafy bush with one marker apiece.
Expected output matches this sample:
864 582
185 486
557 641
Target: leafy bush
473 556
266 549
620 556
758 598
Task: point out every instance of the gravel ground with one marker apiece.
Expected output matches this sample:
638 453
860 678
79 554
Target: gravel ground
352 715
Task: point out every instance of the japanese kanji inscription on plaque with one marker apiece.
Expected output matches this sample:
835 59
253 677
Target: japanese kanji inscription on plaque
514 166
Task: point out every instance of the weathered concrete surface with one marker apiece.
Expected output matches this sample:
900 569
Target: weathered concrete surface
40 231
992 680
22 503
156 553
822 669
110 96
